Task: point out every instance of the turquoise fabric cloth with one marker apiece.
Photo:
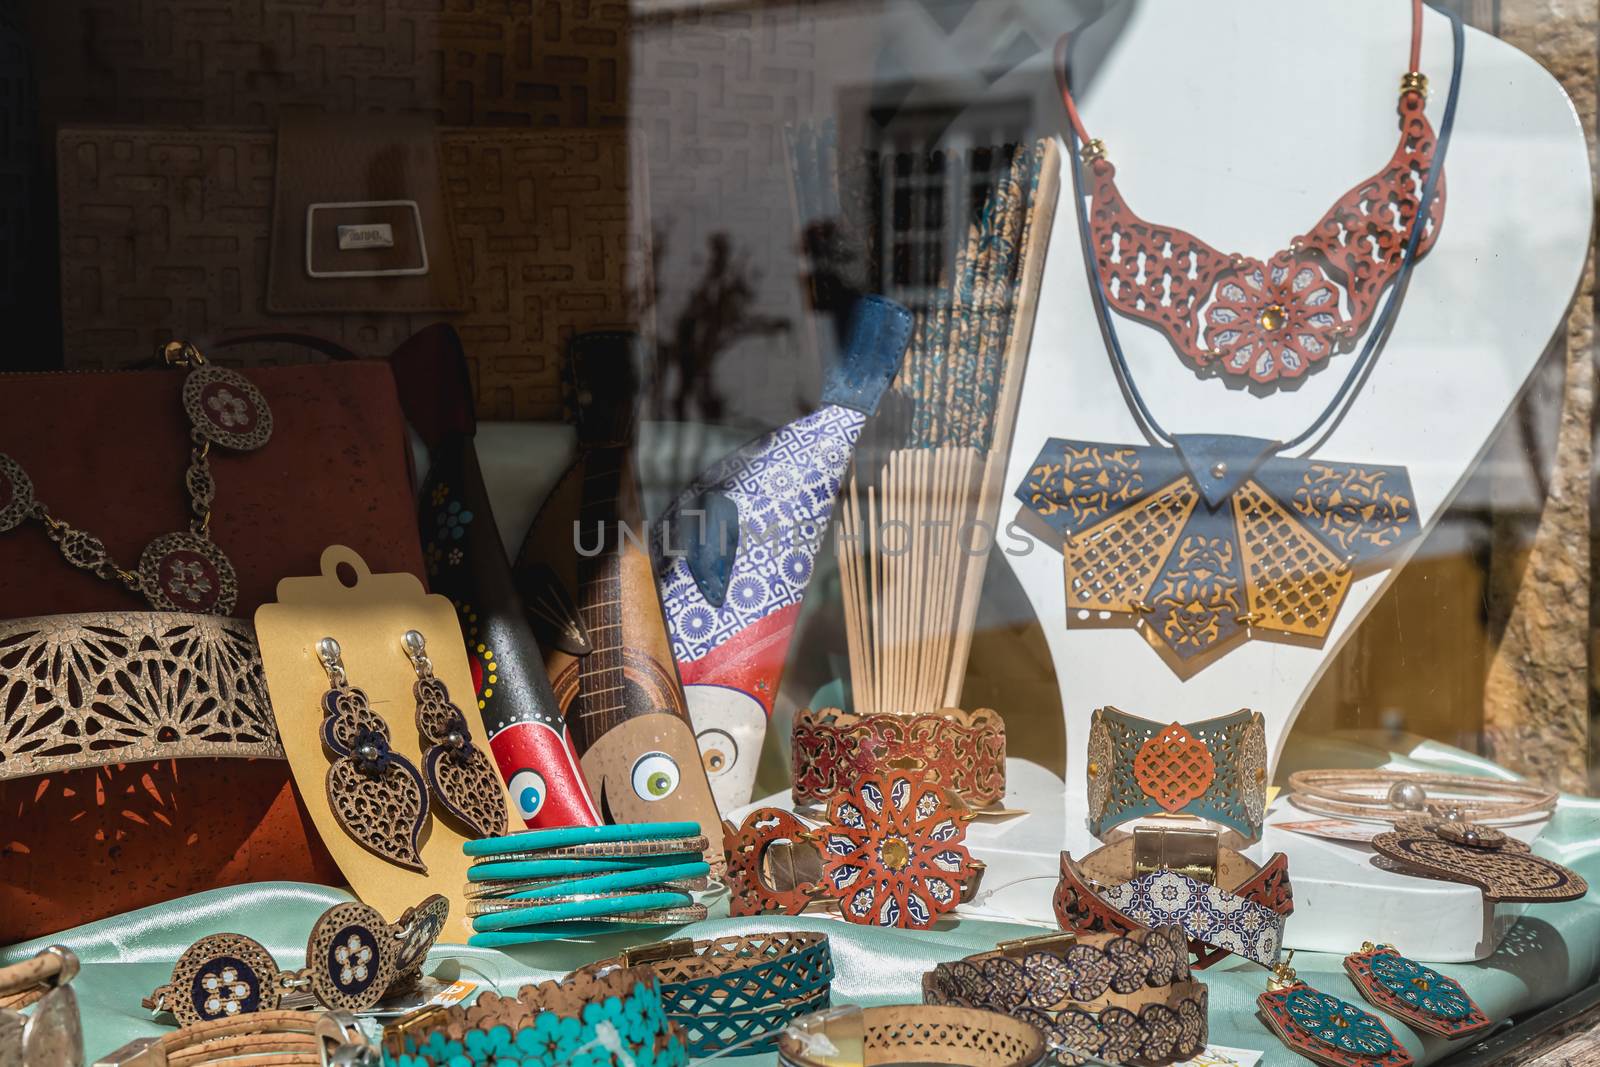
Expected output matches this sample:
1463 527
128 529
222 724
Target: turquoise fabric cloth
1551 953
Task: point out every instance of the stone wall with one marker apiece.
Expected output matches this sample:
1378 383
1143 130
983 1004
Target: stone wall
1537 698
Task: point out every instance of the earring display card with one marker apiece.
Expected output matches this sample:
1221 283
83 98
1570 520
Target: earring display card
367 614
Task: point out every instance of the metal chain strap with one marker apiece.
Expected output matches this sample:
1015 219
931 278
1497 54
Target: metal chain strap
84 550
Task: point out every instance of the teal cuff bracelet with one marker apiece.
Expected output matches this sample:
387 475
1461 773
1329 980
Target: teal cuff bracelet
510 916
729 990
569 836
1214 770
615 1017
541 888
504 869
565 929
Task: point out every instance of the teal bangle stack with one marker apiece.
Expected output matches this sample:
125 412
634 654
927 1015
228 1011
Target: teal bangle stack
543 885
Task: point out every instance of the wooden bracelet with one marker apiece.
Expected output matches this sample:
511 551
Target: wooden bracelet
1061 970
53 1033
258 1039
916 1033
22 984
1390 796
1106 892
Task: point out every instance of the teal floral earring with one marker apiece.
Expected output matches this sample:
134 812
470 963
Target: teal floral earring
1325 1029
1420 995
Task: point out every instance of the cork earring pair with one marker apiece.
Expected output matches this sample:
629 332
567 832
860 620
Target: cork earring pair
377 795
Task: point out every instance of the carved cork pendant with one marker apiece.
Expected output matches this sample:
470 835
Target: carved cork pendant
463 779
376 794
1501 866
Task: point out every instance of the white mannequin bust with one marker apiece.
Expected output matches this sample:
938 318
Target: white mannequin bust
1243 122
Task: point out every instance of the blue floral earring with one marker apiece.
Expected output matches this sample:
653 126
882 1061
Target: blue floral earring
1420 995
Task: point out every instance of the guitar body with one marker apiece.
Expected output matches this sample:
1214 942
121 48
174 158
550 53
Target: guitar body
586 565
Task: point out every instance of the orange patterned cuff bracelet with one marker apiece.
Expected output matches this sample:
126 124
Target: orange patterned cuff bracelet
1215 770
960 750
890 854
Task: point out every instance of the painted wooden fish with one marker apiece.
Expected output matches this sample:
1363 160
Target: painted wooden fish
735 552
467 563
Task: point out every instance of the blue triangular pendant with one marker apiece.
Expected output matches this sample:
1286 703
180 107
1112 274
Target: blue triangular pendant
1219 463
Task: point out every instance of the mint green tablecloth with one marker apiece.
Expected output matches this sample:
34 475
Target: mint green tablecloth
1550 954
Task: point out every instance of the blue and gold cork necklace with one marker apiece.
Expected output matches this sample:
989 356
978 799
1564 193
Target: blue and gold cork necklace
1205 541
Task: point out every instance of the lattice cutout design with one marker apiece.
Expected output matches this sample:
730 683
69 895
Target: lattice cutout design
983 1039
965 751
1295 584
128 687
1130 779
463 780
1173 768
351 956
733 989
1165 1031
619 1010
1273 319
353 960
1113 565
1274 559
1053 978
1358 511
376 794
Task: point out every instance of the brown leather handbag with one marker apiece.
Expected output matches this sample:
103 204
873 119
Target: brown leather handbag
107 453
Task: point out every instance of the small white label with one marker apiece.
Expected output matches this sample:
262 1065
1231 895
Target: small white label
367 235
454 993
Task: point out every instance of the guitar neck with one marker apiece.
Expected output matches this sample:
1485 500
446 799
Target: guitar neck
601 702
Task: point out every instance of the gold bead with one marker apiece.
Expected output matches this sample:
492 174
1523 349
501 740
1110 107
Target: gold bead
1414 81
1095 149
1094 770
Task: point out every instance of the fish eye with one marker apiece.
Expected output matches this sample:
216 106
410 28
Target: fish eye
527 789
655 776
718 751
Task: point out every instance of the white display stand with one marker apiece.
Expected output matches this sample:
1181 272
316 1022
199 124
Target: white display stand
1243 122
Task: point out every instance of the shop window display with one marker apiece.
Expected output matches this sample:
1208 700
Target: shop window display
828 533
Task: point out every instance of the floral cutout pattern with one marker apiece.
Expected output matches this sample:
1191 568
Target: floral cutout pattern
626 1029
892 852
1273 320
229 987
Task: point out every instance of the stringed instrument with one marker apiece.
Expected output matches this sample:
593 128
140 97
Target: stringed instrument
585 573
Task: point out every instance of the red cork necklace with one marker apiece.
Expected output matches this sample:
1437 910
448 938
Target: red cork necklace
1264 321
